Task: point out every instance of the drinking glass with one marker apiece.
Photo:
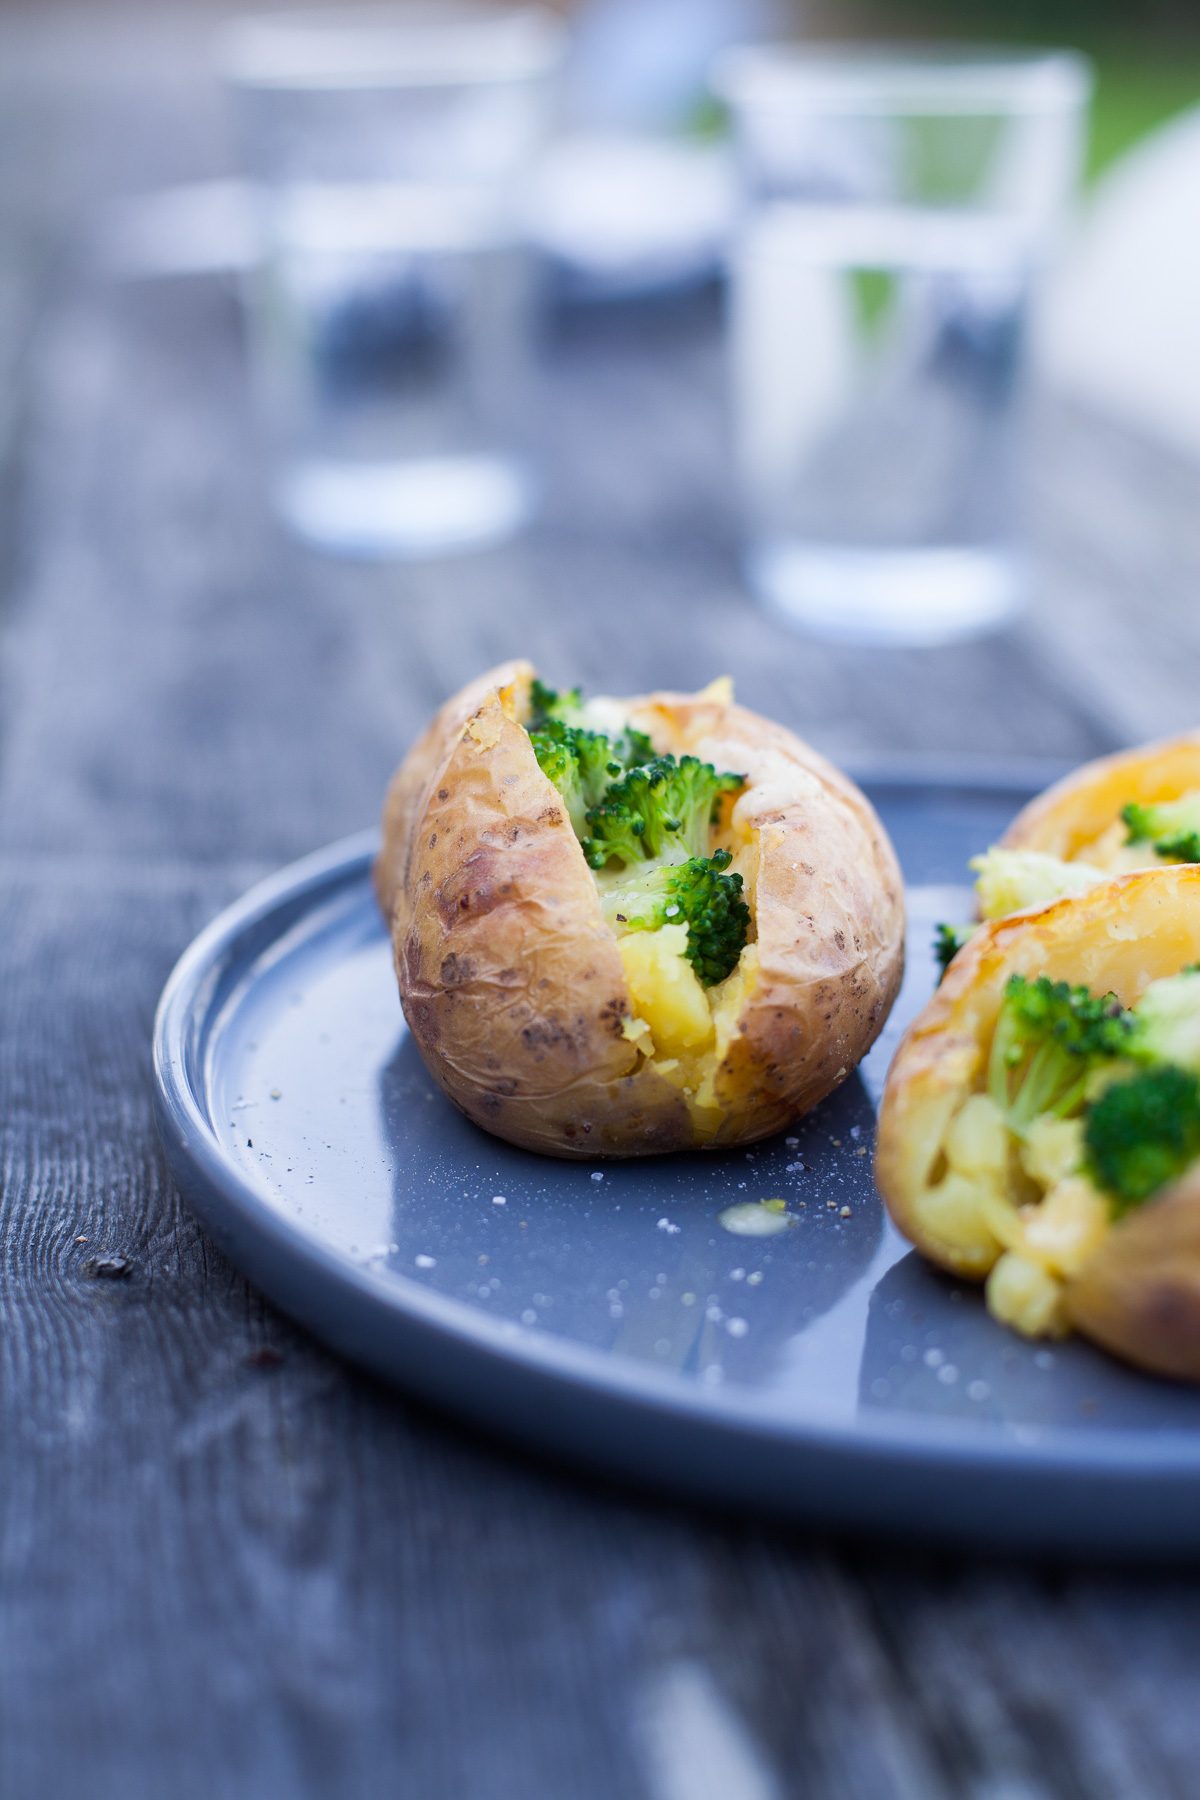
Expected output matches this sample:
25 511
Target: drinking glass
389 314
897 210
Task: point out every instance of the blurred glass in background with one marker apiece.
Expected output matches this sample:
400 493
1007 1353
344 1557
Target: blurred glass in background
897 211
636 194
391 150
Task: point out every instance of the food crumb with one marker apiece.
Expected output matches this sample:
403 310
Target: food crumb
845 1213
275 1094
499 1200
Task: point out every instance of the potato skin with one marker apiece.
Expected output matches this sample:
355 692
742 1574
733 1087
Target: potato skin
1074 812
1139 1291
513 985
1138 1294
829 912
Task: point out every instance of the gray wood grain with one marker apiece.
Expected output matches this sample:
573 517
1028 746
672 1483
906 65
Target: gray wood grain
230 1565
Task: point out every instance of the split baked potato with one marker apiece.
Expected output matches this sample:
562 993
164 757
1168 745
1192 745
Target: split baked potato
636 926
1130 811
1139 809
1040 1126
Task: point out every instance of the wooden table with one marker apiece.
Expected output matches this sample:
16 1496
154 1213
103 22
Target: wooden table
233 1566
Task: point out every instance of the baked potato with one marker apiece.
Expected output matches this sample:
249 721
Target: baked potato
1040 1126
1133 810
1139 809
683 935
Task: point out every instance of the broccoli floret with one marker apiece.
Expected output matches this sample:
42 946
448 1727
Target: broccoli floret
655 820
546 704
1168 1022
696 893
1049 1038
1007 880
548 707
581 764
1172 827
948 940
652 814
1142 1133
662 810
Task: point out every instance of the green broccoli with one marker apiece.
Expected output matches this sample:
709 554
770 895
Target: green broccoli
1049 1038
655 821
696 893
581 764
546 704
652 815
1168 1022
1142 1133
661 810
948 940
1173 827
549 708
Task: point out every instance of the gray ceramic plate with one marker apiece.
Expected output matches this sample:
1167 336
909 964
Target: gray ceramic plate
609 1315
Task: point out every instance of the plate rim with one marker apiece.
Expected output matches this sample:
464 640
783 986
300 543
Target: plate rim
238 1210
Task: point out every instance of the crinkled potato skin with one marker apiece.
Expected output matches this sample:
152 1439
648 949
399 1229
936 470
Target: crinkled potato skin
513 985
1138 1293
1075 811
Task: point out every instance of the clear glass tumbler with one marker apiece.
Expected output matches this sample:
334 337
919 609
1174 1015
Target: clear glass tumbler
897 209
389 316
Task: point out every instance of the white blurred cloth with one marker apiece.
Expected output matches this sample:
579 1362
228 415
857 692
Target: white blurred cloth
1120 328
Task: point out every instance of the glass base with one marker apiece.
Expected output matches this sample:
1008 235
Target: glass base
899 597
403 511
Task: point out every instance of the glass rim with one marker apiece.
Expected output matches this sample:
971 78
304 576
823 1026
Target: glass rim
860 78
411 44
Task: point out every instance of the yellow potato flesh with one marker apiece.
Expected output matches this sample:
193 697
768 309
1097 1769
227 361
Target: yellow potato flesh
665 990
1017 1210
1020 1293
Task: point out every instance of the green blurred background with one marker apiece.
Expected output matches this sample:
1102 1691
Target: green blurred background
1147 55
